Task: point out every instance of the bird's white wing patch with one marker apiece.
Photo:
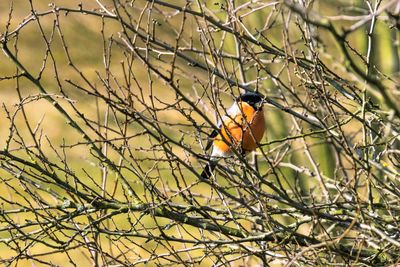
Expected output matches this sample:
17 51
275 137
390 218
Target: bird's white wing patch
230 113
233 110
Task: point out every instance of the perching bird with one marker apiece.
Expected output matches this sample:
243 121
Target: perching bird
242 128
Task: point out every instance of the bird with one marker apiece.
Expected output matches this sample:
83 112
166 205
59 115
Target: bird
241 128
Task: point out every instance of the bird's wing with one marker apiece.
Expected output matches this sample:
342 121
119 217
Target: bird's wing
231 112
213 134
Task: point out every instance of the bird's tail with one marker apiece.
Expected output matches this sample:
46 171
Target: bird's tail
208 170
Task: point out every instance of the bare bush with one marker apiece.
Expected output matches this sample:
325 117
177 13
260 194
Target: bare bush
107 107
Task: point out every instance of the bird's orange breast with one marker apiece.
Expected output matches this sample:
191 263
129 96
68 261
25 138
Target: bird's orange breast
243 130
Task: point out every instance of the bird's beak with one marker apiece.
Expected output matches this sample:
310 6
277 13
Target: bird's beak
261 103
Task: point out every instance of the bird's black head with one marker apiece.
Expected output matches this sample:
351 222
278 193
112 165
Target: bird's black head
254 99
